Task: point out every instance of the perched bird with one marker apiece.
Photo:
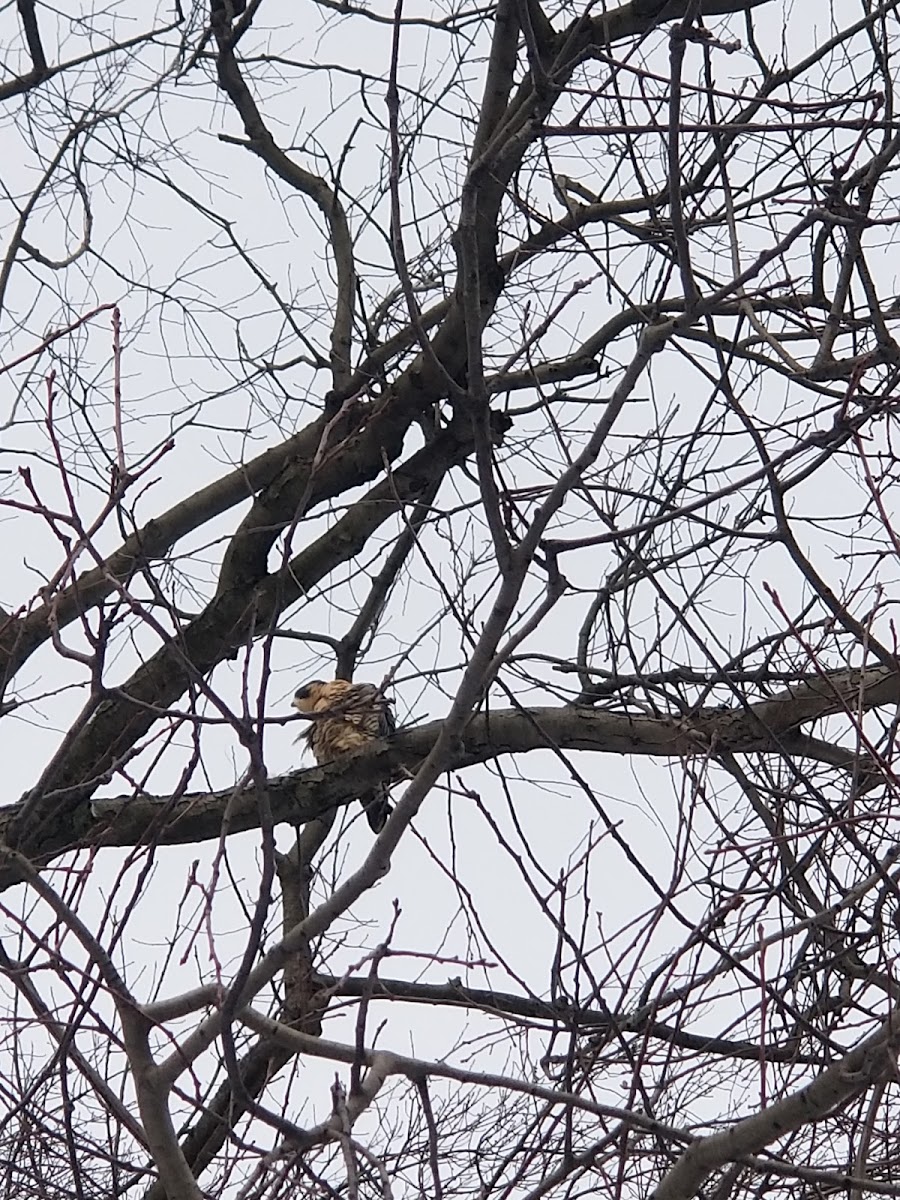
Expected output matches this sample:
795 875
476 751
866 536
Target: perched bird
346 717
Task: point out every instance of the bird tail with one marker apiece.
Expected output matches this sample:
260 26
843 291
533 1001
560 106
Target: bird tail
377 808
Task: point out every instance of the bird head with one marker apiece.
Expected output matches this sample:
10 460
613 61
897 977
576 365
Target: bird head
305 698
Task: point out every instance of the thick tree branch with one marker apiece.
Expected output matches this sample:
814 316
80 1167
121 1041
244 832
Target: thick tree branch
53 817
20 638
304 795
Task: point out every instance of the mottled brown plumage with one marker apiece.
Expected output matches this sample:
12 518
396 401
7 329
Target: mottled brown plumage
346 717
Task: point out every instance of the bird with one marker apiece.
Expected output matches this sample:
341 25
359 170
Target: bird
346 717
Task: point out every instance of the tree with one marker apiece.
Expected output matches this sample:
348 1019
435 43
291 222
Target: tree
536 364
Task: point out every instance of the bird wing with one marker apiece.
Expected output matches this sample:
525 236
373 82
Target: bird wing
365 707
379 713
349 716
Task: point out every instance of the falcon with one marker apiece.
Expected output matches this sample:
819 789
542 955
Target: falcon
345 717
